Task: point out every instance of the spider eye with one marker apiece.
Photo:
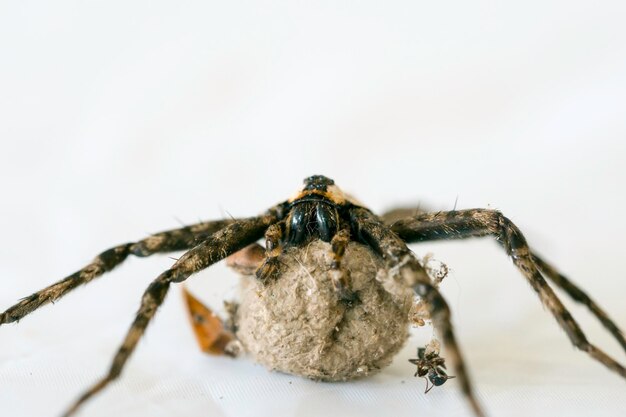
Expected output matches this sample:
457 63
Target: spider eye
317 182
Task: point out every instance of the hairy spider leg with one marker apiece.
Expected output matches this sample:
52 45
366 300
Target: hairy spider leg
217 246
167 241
428 232
370 229
399 213
578 295
483 222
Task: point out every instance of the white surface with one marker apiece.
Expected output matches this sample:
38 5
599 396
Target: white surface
117 118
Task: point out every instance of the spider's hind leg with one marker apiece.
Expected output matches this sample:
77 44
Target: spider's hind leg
580 296
404 266
482 222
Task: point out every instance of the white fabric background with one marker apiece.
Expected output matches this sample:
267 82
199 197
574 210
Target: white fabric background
118 118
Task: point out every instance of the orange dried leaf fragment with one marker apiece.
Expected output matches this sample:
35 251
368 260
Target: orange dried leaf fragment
209 329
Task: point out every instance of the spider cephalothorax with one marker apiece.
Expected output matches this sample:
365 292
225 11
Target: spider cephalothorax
316 211
320 210
345 238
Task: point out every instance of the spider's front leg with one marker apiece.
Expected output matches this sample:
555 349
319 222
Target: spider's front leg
217 246
404 265
168 241
481 222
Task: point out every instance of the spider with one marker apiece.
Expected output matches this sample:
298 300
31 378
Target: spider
321 212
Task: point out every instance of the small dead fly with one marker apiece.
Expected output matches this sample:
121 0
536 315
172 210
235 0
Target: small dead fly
338 282
430 365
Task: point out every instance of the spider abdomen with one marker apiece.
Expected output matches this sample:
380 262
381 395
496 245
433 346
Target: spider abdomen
297 324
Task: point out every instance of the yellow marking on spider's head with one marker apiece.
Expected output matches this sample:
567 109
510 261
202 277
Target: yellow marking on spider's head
325 188
334 196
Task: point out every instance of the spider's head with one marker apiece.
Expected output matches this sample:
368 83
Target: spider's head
315 210
319 188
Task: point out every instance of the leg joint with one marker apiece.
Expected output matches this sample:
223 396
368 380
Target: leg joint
511 237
